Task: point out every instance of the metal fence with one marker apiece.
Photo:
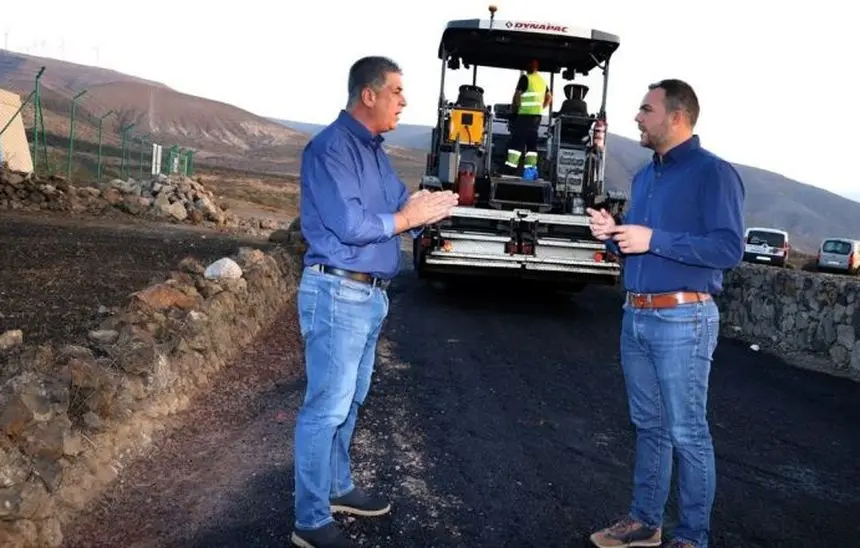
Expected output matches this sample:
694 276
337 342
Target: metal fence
118 150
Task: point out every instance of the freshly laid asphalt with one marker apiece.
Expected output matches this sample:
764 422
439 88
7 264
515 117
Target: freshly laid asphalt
492 423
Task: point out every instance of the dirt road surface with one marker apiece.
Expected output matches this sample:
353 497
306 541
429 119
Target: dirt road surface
491 425
57 271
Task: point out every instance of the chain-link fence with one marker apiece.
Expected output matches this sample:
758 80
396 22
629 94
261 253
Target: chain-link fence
71 134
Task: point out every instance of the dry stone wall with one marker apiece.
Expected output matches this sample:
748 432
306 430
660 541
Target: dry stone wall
71 417
796 312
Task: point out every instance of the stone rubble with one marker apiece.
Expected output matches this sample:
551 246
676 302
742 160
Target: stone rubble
176 199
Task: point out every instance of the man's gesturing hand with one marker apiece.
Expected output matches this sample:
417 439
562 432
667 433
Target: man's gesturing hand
601 223
428 207
632 238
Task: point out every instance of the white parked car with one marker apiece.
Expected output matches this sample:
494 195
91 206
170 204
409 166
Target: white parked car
766 246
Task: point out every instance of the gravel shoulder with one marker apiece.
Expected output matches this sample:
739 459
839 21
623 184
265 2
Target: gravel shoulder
490 425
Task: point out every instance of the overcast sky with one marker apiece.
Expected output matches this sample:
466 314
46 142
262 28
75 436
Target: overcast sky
769 74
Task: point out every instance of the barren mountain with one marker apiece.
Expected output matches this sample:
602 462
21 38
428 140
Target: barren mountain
222 134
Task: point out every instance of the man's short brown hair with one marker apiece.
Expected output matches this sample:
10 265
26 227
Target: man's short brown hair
679 97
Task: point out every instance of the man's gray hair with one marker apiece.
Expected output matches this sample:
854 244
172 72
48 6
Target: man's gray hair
369 72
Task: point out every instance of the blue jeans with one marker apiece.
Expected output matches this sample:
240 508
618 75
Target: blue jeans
666 357
340 321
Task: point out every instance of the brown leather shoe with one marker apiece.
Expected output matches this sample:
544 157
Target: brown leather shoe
627 532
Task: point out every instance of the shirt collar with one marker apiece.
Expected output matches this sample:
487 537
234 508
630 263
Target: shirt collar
679 151
358 129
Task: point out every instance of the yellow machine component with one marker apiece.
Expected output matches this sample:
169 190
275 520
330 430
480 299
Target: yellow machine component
466 126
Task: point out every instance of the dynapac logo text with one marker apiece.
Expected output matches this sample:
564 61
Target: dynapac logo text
519 25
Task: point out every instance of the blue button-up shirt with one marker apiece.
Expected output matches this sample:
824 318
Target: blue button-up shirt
694 203
349 195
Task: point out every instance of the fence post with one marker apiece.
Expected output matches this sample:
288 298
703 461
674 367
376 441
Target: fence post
38 124
124 131
72 134
140 139
172 164
101 122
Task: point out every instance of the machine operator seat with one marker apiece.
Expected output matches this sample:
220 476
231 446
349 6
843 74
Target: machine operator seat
470 97
574 131
575 107
574 102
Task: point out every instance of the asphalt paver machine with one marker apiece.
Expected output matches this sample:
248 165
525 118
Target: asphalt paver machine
510 225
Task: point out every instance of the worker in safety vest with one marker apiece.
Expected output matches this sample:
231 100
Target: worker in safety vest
532 96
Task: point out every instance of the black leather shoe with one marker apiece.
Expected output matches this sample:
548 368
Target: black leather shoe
359 503
327 536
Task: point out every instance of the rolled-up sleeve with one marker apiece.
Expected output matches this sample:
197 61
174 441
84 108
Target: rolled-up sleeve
402 197
333 185
388 225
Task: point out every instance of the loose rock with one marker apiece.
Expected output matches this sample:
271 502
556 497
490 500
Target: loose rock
174 198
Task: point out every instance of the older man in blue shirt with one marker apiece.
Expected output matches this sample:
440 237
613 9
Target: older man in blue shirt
353 209
683 228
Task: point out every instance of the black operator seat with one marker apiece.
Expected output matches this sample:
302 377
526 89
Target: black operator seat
573 114
574 102
470 97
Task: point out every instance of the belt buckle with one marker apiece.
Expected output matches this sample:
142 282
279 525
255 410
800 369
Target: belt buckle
638 300
372 281
381 283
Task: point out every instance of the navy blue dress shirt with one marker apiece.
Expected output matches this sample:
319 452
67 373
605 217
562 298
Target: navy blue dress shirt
349 195
694 203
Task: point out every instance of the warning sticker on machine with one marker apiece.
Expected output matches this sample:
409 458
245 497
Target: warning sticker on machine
570 167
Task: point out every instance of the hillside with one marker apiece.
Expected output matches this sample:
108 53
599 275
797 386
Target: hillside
223 135
808 213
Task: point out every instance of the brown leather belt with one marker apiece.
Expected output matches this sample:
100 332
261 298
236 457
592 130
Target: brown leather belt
356 276
665 300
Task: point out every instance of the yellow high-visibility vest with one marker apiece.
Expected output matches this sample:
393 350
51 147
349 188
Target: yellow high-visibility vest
531 101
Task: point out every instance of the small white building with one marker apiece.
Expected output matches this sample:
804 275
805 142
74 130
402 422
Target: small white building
14 147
